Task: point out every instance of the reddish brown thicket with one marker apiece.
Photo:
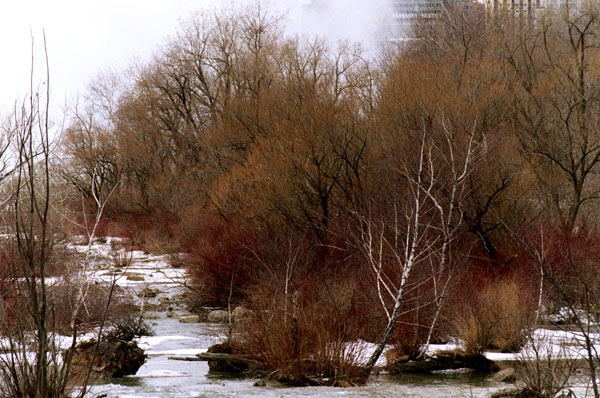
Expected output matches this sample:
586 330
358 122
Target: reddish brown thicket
306 328
229 258
567 261
500 317
543 270
220 261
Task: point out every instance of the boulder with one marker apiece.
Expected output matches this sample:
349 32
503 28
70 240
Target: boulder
506 376
135 277
218 316
241 313
148 292
179 297
225 357
150 315
107 359
189 319
171 314
446 360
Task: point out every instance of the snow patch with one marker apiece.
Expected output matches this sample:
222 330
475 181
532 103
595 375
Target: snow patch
147 342
191 352
160 373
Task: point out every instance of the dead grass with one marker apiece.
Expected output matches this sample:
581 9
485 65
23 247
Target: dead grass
498 319
305 342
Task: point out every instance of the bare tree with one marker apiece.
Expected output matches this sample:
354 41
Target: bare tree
420 234
34 367
554 64
36 363
92 164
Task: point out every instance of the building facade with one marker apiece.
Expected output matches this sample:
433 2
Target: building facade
404 12
530 7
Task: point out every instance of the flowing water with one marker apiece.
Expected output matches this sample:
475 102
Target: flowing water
161 377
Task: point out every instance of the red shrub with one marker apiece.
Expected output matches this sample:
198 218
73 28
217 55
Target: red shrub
305 330
569 261
221 260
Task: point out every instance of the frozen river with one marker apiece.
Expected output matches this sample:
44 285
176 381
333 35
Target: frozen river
161 377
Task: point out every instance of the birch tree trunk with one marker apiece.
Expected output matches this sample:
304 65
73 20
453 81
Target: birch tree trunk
431 220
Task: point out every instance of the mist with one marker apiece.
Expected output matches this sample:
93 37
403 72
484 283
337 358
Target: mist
362 21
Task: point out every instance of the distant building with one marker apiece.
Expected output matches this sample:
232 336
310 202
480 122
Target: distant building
404 13
519 7
575 4
530 7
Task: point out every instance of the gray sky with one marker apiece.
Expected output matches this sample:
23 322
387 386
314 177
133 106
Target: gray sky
84 38
88 37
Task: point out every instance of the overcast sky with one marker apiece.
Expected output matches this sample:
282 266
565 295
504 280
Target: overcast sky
88 37
84 38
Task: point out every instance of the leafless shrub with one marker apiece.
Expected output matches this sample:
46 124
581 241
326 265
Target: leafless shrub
130 327
98 305
499 318
545 368
305 342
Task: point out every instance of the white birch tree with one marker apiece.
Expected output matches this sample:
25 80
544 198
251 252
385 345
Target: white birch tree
421 232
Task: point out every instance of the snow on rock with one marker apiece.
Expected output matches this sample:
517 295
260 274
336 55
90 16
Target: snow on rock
160 373
433 348
110 262
187 352
149 342
363 351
